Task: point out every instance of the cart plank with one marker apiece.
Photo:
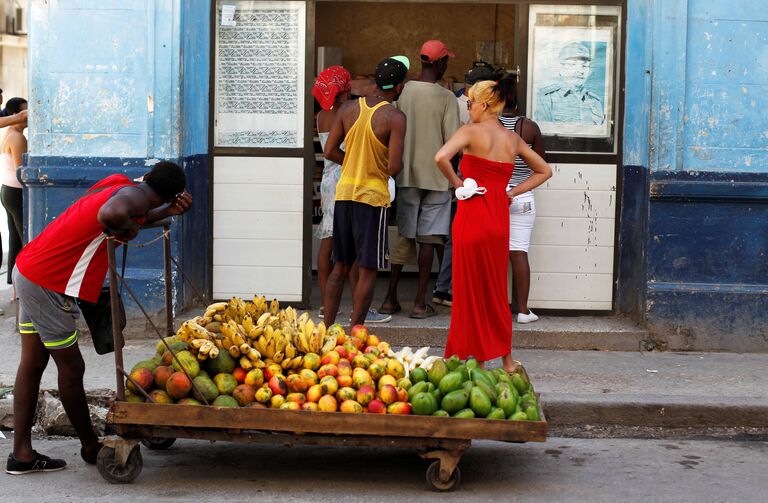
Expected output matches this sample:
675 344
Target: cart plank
124 413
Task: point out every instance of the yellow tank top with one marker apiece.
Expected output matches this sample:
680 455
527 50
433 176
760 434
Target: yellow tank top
365 171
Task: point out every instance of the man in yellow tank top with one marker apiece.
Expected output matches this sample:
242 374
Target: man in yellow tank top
373 131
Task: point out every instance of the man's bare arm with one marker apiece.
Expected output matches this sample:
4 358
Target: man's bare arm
397 124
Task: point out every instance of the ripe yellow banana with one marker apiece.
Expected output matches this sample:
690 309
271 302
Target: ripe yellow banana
290 351
278 357
286 364
263 319
214 353
234 351
303 318
274 307
253 354
297 362
244 348
245 363
248 325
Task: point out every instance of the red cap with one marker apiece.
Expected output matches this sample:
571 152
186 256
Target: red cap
433 50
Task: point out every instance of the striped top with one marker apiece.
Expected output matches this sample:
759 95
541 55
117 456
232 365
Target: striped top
522 172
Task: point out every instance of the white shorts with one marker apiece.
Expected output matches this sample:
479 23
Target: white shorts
522 213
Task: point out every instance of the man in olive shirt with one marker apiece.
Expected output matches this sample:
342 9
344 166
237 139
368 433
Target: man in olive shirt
423 195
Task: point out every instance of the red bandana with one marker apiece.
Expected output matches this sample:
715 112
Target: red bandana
331 81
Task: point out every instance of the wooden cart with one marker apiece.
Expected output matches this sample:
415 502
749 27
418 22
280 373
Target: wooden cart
156 426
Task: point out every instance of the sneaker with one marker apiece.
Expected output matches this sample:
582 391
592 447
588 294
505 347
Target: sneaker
39 463
442 298
374 316
527 318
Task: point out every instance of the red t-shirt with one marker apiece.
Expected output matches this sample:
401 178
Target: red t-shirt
70 255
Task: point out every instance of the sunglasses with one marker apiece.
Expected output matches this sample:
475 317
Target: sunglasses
470 103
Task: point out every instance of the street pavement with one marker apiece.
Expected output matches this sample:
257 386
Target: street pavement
561 470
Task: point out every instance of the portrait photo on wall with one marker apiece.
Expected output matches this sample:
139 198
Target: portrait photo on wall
571 80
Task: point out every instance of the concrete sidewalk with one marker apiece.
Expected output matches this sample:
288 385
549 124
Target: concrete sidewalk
580 389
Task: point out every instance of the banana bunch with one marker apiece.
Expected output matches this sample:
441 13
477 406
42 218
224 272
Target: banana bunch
310 338
191 329
205 348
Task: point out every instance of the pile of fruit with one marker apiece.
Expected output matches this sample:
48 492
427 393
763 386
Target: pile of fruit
254 354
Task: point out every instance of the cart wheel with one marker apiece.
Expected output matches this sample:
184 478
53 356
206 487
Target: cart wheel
158 443
434 482
114 473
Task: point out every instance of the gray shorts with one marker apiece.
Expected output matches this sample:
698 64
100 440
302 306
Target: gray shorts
423 212
49 314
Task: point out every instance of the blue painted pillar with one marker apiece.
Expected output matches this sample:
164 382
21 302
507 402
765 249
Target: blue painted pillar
116 85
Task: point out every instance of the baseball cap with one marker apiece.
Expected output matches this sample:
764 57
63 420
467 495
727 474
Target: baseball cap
434 50
392 71
575 50
480 73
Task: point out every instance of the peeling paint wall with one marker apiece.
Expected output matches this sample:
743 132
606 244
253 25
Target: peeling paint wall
104 78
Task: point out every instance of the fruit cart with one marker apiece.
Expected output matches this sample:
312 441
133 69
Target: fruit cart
441 440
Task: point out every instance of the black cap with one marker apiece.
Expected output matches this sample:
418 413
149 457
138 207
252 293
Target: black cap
390 72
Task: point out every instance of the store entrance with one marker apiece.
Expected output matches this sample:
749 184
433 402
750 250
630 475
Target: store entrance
573 243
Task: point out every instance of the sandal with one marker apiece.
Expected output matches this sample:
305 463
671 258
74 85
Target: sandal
428 312
390 308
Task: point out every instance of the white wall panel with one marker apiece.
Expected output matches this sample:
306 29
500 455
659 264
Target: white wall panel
257 227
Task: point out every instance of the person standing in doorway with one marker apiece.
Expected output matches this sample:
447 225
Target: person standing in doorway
13 148
68 261
424 196
373 131
522 211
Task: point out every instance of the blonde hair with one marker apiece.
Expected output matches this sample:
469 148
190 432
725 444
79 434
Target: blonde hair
488 92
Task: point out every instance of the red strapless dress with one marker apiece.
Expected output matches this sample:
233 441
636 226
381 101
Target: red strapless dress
481 322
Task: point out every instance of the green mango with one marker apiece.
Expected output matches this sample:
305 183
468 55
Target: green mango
502 376
488 390
507 401
417 388
423 404
450 382
471 363
532 412
480 402
222 364
436 393
501 386
455 401
441 413
452 363
519 383
496 413
528 400
518 416
418 375
437 372
464 414
464 372
479 375
467 386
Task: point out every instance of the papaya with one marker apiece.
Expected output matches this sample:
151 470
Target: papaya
417 388
436 393
222 364
441 413
507 401
418 375
225 383
501 375
450 382
225 401
464 414
532 412
455 401
423 404
189 363
501 386
437 372
160 347
464 372
518 416
496 413
204 390
452 363
471 363
480 402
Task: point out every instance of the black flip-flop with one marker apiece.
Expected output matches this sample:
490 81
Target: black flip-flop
428 312
396 308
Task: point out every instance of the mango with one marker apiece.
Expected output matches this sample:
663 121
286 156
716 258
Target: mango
452 381
161 374
518 416
222 364
399 408
143 378
204 389
489 390
351 407
507 401
479 402
424 404
471 363
519 383
452 363
178 386
188 401
244 394
225 383
189 363
418 375
225 401
417 388
160 396
455 401
150 364
441 413
496 413
263 395
532 412
437 372
464 414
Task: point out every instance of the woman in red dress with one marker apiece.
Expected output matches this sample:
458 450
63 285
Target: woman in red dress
481 322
